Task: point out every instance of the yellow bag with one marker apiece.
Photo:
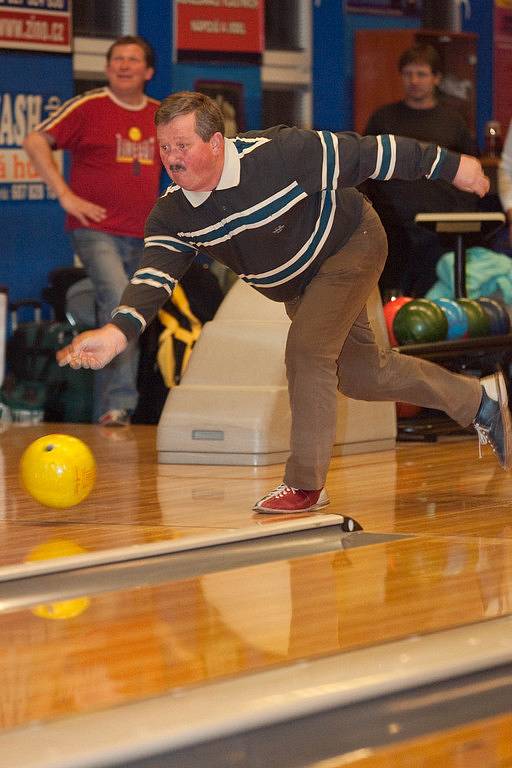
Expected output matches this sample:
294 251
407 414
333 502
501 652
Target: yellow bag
175 331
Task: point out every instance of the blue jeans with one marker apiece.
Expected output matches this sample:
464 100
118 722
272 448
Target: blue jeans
110 261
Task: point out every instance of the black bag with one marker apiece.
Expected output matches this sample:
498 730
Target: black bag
35 387
60 281
203 294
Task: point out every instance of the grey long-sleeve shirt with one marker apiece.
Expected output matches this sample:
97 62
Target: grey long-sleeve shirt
285 202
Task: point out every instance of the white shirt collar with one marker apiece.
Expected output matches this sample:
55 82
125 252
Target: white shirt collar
230 176
124 104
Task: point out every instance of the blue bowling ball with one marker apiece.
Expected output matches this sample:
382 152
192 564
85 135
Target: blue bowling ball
456 317
478 320
499 320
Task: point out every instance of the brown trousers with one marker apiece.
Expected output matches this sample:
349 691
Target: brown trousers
331 345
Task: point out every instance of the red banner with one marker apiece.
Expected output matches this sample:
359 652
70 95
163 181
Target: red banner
230 26
41 30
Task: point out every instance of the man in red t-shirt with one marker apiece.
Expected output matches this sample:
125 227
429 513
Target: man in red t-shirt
114 182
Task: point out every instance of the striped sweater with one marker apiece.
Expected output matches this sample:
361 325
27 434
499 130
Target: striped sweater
285 203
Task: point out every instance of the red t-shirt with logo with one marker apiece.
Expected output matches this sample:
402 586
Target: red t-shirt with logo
114 157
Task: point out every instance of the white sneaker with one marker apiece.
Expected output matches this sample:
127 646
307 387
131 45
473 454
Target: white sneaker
493 422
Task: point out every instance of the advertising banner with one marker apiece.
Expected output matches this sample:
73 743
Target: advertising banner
223 26
20 112
36 25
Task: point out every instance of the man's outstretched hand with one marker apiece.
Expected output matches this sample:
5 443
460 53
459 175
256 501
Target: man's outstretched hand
93 349
470 176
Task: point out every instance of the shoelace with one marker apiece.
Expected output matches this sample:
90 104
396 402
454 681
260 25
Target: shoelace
483 438
281 490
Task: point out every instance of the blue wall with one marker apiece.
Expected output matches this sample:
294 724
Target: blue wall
32 238
481 22
329 79
154 22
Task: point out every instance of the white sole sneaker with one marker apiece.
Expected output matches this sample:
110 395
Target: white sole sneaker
323 501
496 389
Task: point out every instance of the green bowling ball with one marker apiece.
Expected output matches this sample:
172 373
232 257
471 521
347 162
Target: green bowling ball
499 320
420 321
478 320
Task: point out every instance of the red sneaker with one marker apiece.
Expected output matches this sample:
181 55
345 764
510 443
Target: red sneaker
287 499
115 418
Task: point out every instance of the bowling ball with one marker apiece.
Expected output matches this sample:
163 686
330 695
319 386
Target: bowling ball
64 609
58 470
456 317
499 320
48 550
478 322
390 309
407 410
420 321
506 317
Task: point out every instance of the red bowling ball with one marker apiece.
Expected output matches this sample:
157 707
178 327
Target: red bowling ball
390 309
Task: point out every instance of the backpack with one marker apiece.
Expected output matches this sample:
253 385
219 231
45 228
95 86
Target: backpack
181 329
167 342
36 388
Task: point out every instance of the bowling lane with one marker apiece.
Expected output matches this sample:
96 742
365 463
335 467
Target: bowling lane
136 509
139 507
131 488
439 488
53 587
290 724
286 636
67 548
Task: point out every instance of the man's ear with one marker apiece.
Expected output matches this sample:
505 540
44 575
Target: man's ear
217 142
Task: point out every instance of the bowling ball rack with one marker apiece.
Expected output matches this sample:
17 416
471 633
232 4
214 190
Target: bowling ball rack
478 356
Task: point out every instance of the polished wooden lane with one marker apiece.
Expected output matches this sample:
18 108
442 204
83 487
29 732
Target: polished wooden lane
438 488
99 652
485 744
135 504
131 488
96 652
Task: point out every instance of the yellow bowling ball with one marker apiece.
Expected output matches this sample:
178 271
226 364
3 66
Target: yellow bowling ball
65 609
48 550
58 470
